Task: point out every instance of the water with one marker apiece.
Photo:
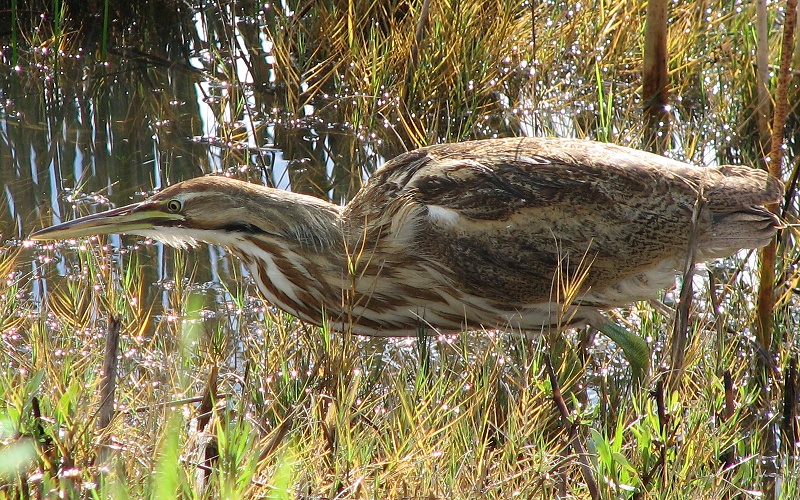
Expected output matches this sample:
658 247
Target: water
79 135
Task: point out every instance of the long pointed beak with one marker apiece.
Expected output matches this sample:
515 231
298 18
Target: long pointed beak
128 219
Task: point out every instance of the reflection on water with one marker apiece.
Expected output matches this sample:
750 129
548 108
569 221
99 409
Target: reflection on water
79 135
117 129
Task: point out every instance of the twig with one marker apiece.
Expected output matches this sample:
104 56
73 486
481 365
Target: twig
765 304
663 422
789 423
577 446
766 293
108 384
277 437
209 398
762 74
422 22
728 455
680 331
718 322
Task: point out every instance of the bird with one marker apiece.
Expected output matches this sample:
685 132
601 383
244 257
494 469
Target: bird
518 234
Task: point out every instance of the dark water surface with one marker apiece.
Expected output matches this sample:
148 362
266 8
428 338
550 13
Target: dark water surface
79 134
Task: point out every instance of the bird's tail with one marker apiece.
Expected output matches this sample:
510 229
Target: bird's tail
736 197
753 227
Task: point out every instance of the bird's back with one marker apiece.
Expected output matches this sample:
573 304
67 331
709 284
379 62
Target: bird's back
504 224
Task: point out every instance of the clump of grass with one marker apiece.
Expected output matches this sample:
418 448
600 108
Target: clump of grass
354 62
242 401
301 412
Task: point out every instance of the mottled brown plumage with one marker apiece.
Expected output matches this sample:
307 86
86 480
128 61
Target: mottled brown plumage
482 234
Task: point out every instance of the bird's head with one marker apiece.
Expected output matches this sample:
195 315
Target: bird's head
214 210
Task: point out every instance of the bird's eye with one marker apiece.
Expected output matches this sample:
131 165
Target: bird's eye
174 206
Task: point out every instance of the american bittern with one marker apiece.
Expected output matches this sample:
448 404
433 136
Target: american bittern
468 235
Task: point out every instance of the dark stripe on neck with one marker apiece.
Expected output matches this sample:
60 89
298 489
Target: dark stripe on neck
242 227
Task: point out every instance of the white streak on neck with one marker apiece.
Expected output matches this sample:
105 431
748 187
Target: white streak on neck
274 274
442 216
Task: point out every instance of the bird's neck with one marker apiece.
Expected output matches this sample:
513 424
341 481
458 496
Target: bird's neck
295 253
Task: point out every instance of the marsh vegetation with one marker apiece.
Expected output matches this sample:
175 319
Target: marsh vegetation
218 394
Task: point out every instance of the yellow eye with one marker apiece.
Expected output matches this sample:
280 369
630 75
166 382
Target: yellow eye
174 206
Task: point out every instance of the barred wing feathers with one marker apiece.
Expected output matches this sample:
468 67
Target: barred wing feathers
504 215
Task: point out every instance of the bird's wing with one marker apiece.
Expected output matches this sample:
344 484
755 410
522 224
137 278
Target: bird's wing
508 225
510 217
